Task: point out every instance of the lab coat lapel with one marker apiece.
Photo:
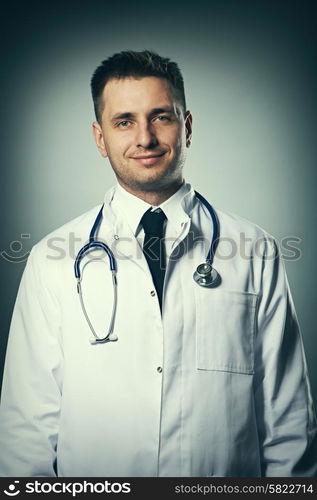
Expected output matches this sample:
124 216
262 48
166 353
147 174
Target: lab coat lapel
119 236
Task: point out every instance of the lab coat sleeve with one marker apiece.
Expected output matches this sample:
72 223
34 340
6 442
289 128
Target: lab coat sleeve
32 383
283 403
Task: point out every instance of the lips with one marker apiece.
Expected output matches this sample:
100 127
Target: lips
148 159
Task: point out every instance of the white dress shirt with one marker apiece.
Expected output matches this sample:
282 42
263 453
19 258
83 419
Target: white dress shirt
132 209
215 386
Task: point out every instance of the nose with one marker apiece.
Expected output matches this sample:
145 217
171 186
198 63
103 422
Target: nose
146 136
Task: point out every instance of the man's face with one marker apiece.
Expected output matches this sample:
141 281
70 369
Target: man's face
143 132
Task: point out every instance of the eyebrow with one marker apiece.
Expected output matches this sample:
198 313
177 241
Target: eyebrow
155 111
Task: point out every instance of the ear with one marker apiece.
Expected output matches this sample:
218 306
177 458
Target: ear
98 135
188 128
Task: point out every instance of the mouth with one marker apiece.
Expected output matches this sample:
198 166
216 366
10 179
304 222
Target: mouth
148 159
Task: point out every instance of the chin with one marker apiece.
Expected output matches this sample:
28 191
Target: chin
155 182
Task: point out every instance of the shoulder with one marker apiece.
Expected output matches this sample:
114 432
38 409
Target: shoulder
231 222
77 226
246 233
60 246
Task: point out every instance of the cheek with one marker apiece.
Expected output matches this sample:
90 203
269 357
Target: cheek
116 144
174 138
177 142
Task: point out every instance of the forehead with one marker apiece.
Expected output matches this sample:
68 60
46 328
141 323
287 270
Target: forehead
137 94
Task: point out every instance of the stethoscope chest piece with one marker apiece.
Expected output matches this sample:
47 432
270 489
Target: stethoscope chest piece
206 276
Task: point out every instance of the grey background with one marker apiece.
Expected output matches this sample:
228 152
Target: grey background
250 76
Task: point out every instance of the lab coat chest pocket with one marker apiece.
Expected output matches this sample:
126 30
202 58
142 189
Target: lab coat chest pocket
225 330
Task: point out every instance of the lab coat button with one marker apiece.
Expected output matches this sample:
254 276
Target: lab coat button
159 369
152 293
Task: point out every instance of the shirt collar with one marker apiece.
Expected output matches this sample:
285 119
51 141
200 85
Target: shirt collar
176 208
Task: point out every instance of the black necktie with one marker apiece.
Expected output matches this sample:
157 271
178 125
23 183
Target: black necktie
153 247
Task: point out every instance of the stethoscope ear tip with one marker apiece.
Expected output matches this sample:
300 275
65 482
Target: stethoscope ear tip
93 341
113 337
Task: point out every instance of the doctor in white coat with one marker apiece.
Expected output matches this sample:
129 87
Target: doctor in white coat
212 382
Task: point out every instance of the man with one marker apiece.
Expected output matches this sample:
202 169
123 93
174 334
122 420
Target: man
190 380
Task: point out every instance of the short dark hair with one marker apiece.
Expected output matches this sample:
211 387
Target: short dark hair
135 64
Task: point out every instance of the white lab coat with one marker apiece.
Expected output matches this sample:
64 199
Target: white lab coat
232 398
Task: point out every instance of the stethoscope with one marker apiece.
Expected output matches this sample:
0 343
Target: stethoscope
205 274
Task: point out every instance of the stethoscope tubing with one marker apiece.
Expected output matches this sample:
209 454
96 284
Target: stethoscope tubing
215 228
91 246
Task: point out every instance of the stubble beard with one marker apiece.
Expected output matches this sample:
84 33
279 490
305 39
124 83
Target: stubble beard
173 176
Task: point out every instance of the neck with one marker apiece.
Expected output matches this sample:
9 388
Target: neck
154 198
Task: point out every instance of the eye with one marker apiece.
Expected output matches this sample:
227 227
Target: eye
124 124
162 118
